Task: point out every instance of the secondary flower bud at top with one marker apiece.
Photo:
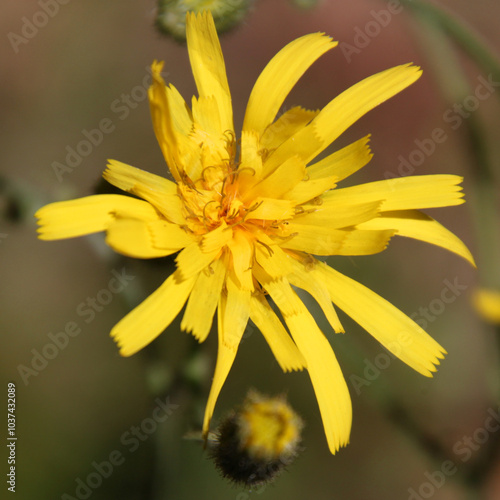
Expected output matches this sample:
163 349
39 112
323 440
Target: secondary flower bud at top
171 15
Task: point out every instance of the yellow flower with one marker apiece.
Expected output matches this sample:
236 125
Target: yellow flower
487 304
247 216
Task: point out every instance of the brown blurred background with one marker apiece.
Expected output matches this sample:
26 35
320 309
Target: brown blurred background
88 63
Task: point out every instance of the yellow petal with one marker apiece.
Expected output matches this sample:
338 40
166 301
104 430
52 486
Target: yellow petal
169 237
68 219
126 178
285 351
279 77
203 300
326 376
343 162
309 140
207 64
191 260
415 224
310 188
365 242
340 113
282 180
161 116
285 126
327 379
206 117
144 323
182 122
337 216
225 358
487 304
171 123
206 148
251 159
241 247
273 260
236 312
169 205
321 240
302 278
132 238
160 192
392 328
402 193
214 240
271 209
279 289
352 104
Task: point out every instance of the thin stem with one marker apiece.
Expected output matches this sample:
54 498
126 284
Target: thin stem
460 32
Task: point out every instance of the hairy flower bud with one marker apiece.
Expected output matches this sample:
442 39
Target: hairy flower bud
255 442
171 15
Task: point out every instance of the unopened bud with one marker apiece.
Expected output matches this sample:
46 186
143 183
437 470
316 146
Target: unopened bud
171 16
255 442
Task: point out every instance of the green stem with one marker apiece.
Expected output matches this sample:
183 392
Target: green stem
464 35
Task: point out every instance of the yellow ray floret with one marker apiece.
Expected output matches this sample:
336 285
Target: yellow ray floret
280 76
415 224
227 349
343 111
207 64
487 303
284 349
327 379
344 162
392 328
203 300
68 219
134 238
403 193
144 323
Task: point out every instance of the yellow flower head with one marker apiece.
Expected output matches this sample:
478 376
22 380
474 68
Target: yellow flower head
248 215
486 301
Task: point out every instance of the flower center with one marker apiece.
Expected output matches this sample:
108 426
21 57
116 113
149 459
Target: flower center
212 199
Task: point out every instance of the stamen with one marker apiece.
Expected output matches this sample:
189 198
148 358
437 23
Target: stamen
284 239
232 138
209 270
302 211
205 218
267 247
203 172
187 180
254 207
233 214
309 262
252 170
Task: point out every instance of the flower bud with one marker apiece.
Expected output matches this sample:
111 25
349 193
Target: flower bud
171 16
255 442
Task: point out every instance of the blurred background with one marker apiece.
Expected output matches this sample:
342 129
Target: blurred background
88 423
